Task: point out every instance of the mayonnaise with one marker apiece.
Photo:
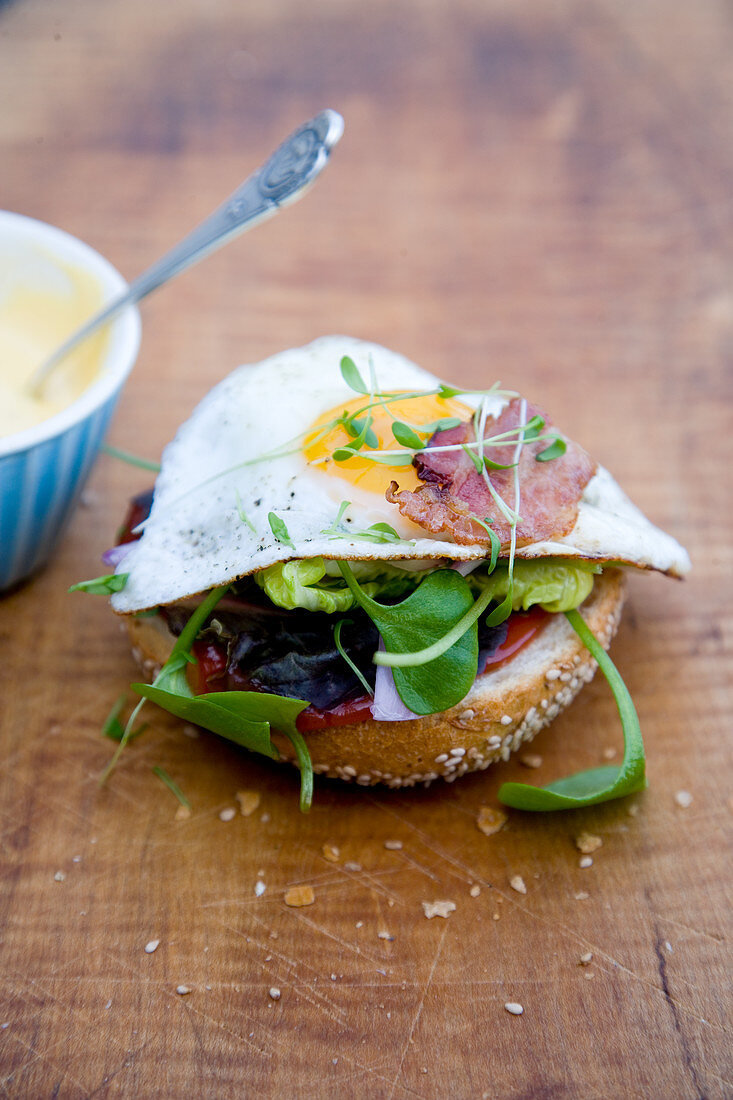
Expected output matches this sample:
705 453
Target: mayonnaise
34 320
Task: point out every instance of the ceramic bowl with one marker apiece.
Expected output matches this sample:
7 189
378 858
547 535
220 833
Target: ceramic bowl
43 468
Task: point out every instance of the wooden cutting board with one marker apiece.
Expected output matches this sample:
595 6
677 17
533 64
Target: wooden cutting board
535 193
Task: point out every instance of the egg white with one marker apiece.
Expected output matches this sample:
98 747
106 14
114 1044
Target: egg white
212 471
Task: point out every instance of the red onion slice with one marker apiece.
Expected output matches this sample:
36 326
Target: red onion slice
387 705
116 554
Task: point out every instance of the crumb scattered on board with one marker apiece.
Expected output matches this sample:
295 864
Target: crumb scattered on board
586 958
475 891
438 908
531 760
582 895
393 845
585 861
683 799
248 802
587 843
517 883
331 853
227 814
275 993
298 896
260 888
183 990
183 813
489 821
59 876
514 1008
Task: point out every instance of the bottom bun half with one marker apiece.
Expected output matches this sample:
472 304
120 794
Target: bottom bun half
504 708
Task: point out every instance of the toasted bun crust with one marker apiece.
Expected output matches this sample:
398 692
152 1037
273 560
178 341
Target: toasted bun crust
503 709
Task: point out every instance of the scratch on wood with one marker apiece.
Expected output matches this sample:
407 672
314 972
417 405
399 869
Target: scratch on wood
418 1011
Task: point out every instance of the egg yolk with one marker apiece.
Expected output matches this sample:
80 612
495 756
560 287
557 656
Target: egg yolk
322 440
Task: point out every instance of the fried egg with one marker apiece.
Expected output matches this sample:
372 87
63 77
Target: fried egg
251 479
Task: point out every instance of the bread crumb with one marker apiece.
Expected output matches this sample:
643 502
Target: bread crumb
183 990
582 895
190 731
438 908
475 891
495 916
589 974
683 799
59 876
490 821
248 802
586 958
531 760
331 853
587 843
633 809
298 896
228 814
609 753
393 845
585 861
183 813
514 1008
385 935
517 883
265 818
151 945
275 993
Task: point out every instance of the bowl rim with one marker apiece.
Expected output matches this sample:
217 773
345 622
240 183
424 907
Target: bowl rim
122 347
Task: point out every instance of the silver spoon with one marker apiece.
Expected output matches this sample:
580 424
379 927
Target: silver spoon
281 180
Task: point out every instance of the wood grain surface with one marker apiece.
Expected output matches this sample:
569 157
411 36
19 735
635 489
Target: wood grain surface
540 193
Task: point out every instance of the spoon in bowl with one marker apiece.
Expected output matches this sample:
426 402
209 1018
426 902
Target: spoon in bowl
283 178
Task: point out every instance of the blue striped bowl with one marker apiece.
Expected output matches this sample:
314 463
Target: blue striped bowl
43 469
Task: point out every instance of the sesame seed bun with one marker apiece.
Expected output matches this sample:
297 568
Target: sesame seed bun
504 708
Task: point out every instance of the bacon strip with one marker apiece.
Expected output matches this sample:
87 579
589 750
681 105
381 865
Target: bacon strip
455 494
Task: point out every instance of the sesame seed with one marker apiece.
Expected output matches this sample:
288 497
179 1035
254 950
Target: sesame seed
259 888
552 674
475 891
59 876
582 895
275 993
393 845
517 883
151 945
384 935
514 1008
458 752
348 770
609 753
585 861
228 814
586 958
683 799
506 719
183 990
441 759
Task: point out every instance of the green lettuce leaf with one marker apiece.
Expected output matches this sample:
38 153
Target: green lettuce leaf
307 583
553 584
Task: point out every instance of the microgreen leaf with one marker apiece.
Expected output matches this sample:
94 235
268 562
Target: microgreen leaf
598 784
473 456
360 432
102 586
129 458
406 437
533 428
555 450
354 668
333 530
497 465
446 391
493 539
351 376
243 515
279 530
171 785
441 601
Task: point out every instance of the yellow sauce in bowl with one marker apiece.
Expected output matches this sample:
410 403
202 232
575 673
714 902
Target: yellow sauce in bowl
34 319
